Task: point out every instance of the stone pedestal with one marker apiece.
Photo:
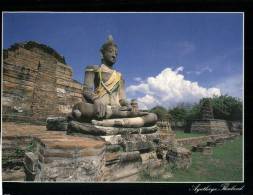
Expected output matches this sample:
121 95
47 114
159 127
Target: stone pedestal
128 150
210 126
77 128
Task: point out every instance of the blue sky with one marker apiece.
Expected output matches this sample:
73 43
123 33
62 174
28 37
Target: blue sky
206 48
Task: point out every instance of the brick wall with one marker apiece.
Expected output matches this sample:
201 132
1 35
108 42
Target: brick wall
37 83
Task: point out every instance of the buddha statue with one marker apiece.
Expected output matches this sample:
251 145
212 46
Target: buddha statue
104 102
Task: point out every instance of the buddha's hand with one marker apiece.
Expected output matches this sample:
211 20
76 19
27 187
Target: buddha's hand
100 108
125 108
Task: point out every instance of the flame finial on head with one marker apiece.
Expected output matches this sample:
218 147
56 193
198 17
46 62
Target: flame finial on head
110 38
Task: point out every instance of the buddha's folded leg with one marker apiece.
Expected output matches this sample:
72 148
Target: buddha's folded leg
82 111
147 120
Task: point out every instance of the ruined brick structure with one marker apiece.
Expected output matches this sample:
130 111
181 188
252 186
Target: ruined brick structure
206 109
207 124
37 81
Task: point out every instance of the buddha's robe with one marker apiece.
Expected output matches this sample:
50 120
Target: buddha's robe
105 84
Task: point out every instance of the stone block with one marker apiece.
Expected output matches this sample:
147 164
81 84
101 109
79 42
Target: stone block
138 145
84 128
219 141
13 175
211 143
159 153
207 150
30 166
128 157
146 157
122 172
113 139
134 142
179 157
57 123
114 148
30 161
204 148
194 148
121 158
112 158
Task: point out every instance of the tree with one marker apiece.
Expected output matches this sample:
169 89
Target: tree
194 113
227 108
160 111
178 113
224 107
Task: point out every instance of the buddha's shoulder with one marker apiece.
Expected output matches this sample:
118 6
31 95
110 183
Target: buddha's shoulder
92 68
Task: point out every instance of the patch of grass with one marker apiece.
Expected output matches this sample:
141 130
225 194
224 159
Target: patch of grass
19 152
31 146
181 134
225 164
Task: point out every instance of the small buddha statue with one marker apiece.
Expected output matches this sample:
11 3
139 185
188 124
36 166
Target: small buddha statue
104 102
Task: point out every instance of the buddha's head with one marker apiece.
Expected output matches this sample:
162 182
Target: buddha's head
109 51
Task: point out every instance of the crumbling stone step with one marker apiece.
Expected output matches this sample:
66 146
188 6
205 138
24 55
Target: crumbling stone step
87 128
122 158
60 157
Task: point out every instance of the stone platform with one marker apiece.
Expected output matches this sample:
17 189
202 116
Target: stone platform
59 157
210 126
115 155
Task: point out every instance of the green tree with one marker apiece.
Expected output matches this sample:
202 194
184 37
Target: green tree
227 108
160 111
194 113
178 113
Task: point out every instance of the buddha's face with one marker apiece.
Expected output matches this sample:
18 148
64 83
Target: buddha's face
110 55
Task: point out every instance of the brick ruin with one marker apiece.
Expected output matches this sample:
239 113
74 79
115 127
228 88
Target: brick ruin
206 109
207 124
37 81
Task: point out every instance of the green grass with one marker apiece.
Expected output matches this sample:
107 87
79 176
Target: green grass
181 134
225 164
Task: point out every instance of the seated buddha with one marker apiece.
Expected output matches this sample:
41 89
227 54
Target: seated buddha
104 102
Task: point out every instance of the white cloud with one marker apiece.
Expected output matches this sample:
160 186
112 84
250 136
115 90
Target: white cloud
168 89
179 69
200 71
232 85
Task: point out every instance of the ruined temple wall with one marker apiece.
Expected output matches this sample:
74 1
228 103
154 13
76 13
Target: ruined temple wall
67 89
20 68
38 83
44 94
